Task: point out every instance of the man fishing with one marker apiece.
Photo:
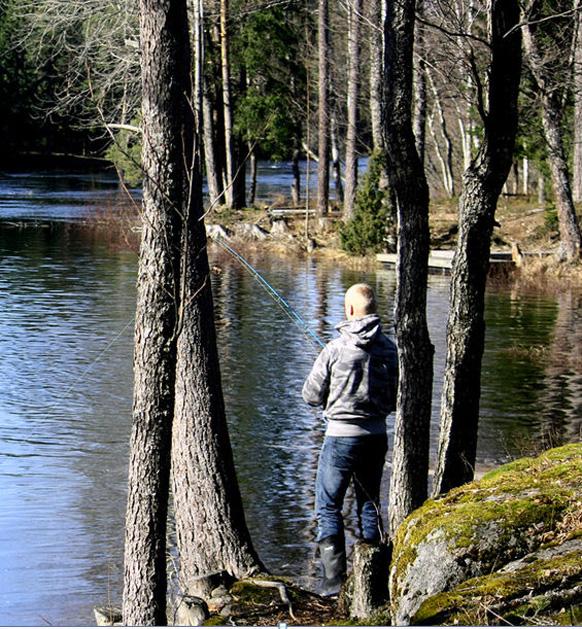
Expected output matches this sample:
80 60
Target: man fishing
354 378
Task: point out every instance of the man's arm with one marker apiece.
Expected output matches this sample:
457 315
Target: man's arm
316 386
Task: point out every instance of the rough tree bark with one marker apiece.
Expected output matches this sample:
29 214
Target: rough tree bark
570 235
351 173
577 149
210 525
408 486
165 110
482 184
323 111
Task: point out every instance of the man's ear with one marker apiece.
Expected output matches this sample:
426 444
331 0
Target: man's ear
351 310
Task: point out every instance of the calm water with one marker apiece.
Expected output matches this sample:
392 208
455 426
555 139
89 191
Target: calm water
66 323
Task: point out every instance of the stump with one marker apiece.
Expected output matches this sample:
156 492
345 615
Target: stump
369 587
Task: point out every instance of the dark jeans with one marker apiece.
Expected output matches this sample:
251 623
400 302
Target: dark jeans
340 460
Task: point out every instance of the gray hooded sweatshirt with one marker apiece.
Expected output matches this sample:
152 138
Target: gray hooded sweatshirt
354 378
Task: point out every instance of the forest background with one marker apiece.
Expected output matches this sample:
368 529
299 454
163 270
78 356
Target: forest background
69 86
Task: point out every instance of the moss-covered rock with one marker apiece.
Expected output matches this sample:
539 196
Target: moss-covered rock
480 527
542 588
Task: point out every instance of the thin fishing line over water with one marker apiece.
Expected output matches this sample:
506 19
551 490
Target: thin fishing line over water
275 295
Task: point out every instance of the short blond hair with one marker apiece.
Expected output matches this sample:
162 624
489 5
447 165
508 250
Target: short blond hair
362 298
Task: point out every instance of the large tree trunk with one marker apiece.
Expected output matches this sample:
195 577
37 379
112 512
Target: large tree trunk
323 113
408 486
227 104
354 16
167 127
482 184
570 235
210 525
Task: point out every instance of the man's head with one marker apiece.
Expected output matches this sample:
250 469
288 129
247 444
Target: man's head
360 301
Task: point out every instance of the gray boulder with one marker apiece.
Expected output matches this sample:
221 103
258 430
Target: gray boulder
217 232
483 526
250 231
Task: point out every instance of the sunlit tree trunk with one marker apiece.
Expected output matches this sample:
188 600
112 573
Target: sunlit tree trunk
408 486
570 235
212 170
323 113
167 129
577 148
525 176
253 183
354 17
420 83
212 535
445 161
482 184
336 163
377 13
227 103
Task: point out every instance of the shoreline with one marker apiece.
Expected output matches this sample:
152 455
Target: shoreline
256 232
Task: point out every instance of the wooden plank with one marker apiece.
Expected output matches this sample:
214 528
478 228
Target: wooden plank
443 258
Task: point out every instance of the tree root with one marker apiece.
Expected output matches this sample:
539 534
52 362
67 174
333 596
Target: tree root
278 586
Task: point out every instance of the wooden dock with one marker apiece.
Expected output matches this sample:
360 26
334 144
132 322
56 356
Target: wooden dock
442 259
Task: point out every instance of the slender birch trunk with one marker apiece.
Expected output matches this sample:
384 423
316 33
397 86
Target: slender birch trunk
420 83
354 18
570 235
253 183
227 104
446 161
336 164
323 114
377 13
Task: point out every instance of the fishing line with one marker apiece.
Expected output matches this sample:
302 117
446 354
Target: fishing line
283 304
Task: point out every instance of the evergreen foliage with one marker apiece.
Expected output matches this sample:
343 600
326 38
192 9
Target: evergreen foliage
265 52
368 230
125 154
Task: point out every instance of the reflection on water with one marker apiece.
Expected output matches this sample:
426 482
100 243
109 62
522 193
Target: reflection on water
66 323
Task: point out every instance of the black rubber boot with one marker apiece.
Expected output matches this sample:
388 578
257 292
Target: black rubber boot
333 559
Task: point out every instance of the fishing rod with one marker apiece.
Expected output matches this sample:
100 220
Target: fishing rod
285 306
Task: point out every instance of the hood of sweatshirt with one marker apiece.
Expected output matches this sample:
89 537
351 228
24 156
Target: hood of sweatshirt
360 332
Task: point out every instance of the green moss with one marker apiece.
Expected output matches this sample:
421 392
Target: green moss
491 594
215 621
523 500
248 594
